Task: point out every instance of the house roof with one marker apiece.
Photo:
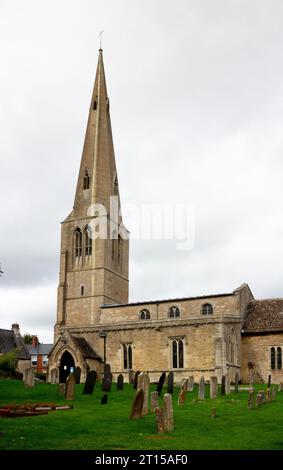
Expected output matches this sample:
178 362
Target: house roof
86 350
9 341
43 349
263 316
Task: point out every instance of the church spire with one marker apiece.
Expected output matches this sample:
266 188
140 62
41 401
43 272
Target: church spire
97 179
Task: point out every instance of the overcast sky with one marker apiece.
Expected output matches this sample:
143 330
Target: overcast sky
196 90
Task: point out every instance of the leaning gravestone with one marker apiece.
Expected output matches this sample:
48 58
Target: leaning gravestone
120 382
104 399
191 384
137 405
170 384
135 384
201 389
78 375
260 398
184 384
107 382
168 412
213 387
223 385
153 400
236 382
70 387
29 377
143 384
182 397
90 382
161 383
251 400
62 389
54 375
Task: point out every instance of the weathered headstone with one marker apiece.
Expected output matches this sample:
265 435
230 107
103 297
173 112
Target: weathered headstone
268 396
135 384
159 419
168 412
280 387
107 382
143 383
153 400
90 382
273 394
223 385
191 384
237 378
161 383
137 405
104 399
260 398
251 400
182 397
184 384
120 382
62 389
107 369
170 384
78 372
131 377
201 389
54 375
213 387
227 384
70 387
29 377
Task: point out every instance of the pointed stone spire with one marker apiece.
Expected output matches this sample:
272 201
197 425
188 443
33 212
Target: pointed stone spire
97 179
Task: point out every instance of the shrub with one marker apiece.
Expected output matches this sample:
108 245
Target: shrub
8 362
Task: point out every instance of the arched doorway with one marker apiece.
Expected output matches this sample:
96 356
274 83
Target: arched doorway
67 366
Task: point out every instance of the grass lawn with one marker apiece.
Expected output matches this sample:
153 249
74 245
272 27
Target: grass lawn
92 426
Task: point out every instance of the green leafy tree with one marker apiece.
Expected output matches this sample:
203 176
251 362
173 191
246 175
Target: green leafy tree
8 361
27 338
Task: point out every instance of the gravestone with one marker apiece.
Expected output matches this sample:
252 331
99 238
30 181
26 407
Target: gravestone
54 375
237 382
62 389
191 384
269 381
168 412
70 387
90 382
251 400
201 389
137 405
182 397
273 394
280 387
120 382
170 384
153 400
268 396
213 387
78 375
104 399
161 383
260 398
143 384
131 377
227 384
107 369
223 385
29 377
159 419
184 384
135 384
213 413
107 382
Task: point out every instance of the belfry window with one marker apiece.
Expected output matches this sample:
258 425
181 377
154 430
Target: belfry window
78 243
145 314
177 347
173 312
127 356
86 180
88 243
207 309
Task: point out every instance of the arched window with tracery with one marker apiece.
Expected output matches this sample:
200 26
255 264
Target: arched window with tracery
87 242
145 314
207 309
177 350
78 239
272 358
86 180
279 358
174 312
127 356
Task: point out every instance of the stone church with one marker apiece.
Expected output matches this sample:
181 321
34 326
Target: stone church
206 335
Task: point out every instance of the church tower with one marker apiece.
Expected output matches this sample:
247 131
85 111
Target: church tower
94 242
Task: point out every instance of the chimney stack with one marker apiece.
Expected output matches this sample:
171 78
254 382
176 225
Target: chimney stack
16 329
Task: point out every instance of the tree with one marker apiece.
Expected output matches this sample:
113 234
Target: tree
27 338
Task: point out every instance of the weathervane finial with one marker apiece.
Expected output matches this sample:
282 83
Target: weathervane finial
100 41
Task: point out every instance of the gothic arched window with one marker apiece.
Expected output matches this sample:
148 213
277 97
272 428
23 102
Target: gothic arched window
173 312
87 243
86 180
279 358
78 243
145 314
272 358
127 356
177 354
207 309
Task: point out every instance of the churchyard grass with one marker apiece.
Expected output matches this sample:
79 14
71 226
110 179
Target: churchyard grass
91 425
